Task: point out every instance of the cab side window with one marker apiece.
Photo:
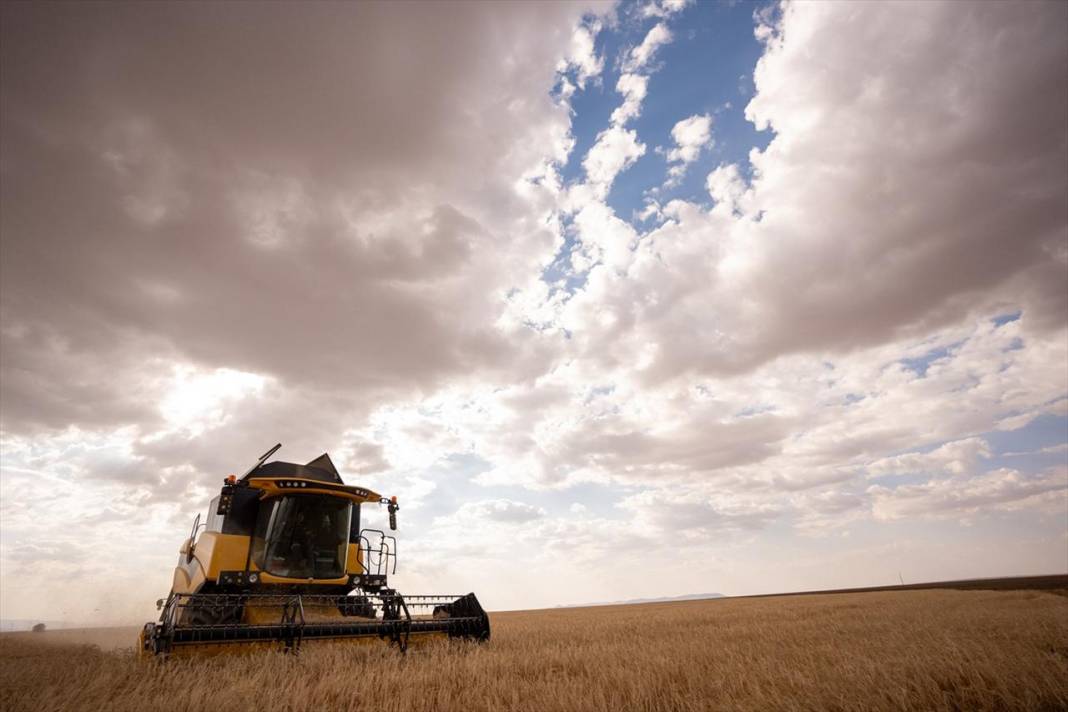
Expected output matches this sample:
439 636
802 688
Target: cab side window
214 521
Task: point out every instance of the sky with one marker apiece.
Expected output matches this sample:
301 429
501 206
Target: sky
620 300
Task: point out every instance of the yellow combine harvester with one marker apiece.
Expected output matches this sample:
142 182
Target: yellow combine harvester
282 560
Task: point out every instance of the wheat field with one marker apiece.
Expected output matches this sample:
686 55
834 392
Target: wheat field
901 650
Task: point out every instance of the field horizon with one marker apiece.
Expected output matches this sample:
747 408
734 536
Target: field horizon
1034 582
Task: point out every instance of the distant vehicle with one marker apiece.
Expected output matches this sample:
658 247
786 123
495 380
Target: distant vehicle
283 559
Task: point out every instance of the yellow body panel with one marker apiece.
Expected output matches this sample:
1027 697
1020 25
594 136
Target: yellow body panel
218 552
213 553
188 577
354 562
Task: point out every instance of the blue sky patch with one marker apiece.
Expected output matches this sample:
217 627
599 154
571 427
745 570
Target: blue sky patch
706 69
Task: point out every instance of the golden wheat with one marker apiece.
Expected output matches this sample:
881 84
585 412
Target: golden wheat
911 650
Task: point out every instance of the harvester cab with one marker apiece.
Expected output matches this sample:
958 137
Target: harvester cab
282 559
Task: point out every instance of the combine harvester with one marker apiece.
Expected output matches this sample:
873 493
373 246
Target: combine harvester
283 561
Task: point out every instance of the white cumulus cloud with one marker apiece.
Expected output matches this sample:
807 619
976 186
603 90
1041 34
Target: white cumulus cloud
691 136
633 87
640 56
616 149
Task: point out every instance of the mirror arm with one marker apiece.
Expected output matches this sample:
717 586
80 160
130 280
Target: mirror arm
392 505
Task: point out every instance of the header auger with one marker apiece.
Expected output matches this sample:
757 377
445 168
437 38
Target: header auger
282 561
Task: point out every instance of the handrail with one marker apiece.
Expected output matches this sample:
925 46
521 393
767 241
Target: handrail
385 553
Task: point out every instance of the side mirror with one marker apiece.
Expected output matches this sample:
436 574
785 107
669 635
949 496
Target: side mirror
187 547
393 507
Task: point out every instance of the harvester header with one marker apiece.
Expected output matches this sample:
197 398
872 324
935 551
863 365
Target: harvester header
283 558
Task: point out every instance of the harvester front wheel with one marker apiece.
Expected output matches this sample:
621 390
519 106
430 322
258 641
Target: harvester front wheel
359 606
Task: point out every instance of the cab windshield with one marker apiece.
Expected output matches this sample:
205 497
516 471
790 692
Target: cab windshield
302 536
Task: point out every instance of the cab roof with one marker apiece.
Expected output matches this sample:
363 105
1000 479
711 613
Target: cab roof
321 469
278 477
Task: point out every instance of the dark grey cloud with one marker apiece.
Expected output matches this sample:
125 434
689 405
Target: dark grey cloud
318 193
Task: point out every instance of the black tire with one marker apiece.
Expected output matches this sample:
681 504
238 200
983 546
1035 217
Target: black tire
359 606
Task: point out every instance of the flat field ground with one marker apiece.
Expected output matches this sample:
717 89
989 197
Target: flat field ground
894 650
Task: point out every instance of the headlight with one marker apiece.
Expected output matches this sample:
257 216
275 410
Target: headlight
253 577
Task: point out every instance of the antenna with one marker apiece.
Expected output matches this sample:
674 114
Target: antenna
259 462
